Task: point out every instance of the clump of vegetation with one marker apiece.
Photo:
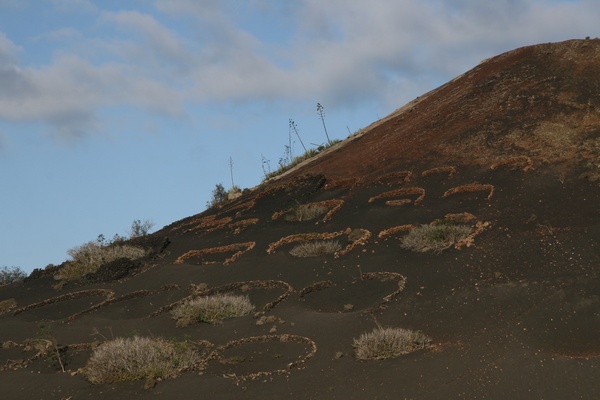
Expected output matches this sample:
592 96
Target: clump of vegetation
310 153
7 305
212 309
139 228
129 359
435 237
90 256
220 195
305 212
316 248
9 275
383 343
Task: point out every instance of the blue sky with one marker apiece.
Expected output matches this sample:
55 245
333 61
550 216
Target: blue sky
112 111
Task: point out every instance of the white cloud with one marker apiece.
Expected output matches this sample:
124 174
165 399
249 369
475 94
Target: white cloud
340 52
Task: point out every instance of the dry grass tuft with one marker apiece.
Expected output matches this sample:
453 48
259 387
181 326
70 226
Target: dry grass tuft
212 309
90 256
129 359
384 343
7 305
316 248
305 212
435 237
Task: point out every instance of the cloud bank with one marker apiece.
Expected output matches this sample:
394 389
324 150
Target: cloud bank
343 52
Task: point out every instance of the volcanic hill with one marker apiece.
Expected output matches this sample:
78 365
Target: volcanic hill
510 150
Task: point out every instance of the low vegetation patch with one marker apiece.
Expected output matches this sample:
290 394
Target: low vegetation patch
435 237
310 153
129 359
7 305
212 309
305 212
316 248
384 343
90 256
9 275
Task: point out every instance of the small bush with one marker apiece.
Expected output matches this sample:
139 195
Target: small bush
10 275
90 256
219 196
139 228
129 359
305 212
435 237
316 248
384 343
7 305
211 309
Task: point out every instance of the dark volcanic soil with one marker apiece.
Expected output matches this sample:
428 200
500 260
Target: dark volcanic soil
515 314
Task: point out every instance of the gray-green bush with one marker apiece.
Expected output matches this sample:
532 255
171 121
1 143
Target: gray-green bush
316 248
90 256
434 237
384 343
211 309
305 212
128 359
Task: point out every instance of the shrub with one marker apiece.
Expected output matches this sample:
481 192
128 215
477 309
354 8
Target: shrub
139 228
128 359
305 212
7 305
10 275
384 343
316 248
211 309
434 237
90 256
219 196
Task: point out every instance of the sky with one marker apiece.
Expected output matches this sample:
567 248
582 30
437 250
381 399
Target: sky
119 110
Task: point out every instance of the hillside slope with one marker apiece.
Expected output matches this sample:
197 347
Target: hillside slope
509 149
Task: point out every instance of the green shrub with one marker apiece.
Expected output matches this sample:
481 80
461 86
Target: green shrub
219 196
128 359
211 309
305 212
10 275
434 237
90 256
384 343
316 248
